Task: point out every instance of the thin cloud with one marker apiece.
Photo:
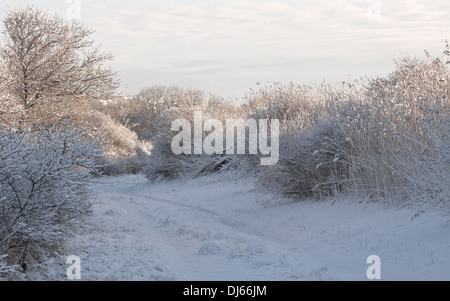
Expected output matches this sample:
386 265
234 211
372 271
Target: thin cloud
247 35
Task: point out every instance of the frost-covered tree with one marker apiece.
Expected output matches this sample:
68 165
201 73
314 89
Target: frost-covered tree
48 59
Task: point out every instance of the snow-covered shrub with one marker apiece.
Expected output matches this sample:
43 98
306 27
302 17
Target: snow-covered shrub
117 140
295 106
400 134
163 163
145 114
133 164
130 112
149 112
313 145
312 163
7 271
423 165
44 176
123 152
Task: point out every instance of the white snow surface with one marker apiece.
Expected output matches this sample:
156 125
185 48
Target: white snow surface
216 228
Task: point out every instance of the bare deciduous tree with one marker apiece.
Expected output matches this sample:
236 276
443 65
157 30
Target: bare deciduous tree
49 59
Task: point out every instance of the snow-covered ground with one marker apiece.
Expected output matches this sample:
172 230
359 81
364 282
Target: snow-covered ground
223 229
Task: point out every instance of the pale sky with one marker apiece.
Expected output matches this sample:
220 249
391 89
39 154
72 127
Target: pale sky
226 47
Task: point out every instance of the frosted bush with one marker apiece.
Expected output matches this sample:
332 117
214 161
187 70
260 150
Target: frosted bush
312 163
44 177
181 104
8 271
400 134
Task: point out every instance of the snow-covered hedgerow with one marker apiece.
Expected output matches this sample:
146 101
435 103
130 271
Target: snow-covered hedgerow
313 144
44 176
385 139
400 134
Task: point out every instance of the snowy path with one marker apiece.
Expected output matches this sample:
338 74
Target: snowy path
207 229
